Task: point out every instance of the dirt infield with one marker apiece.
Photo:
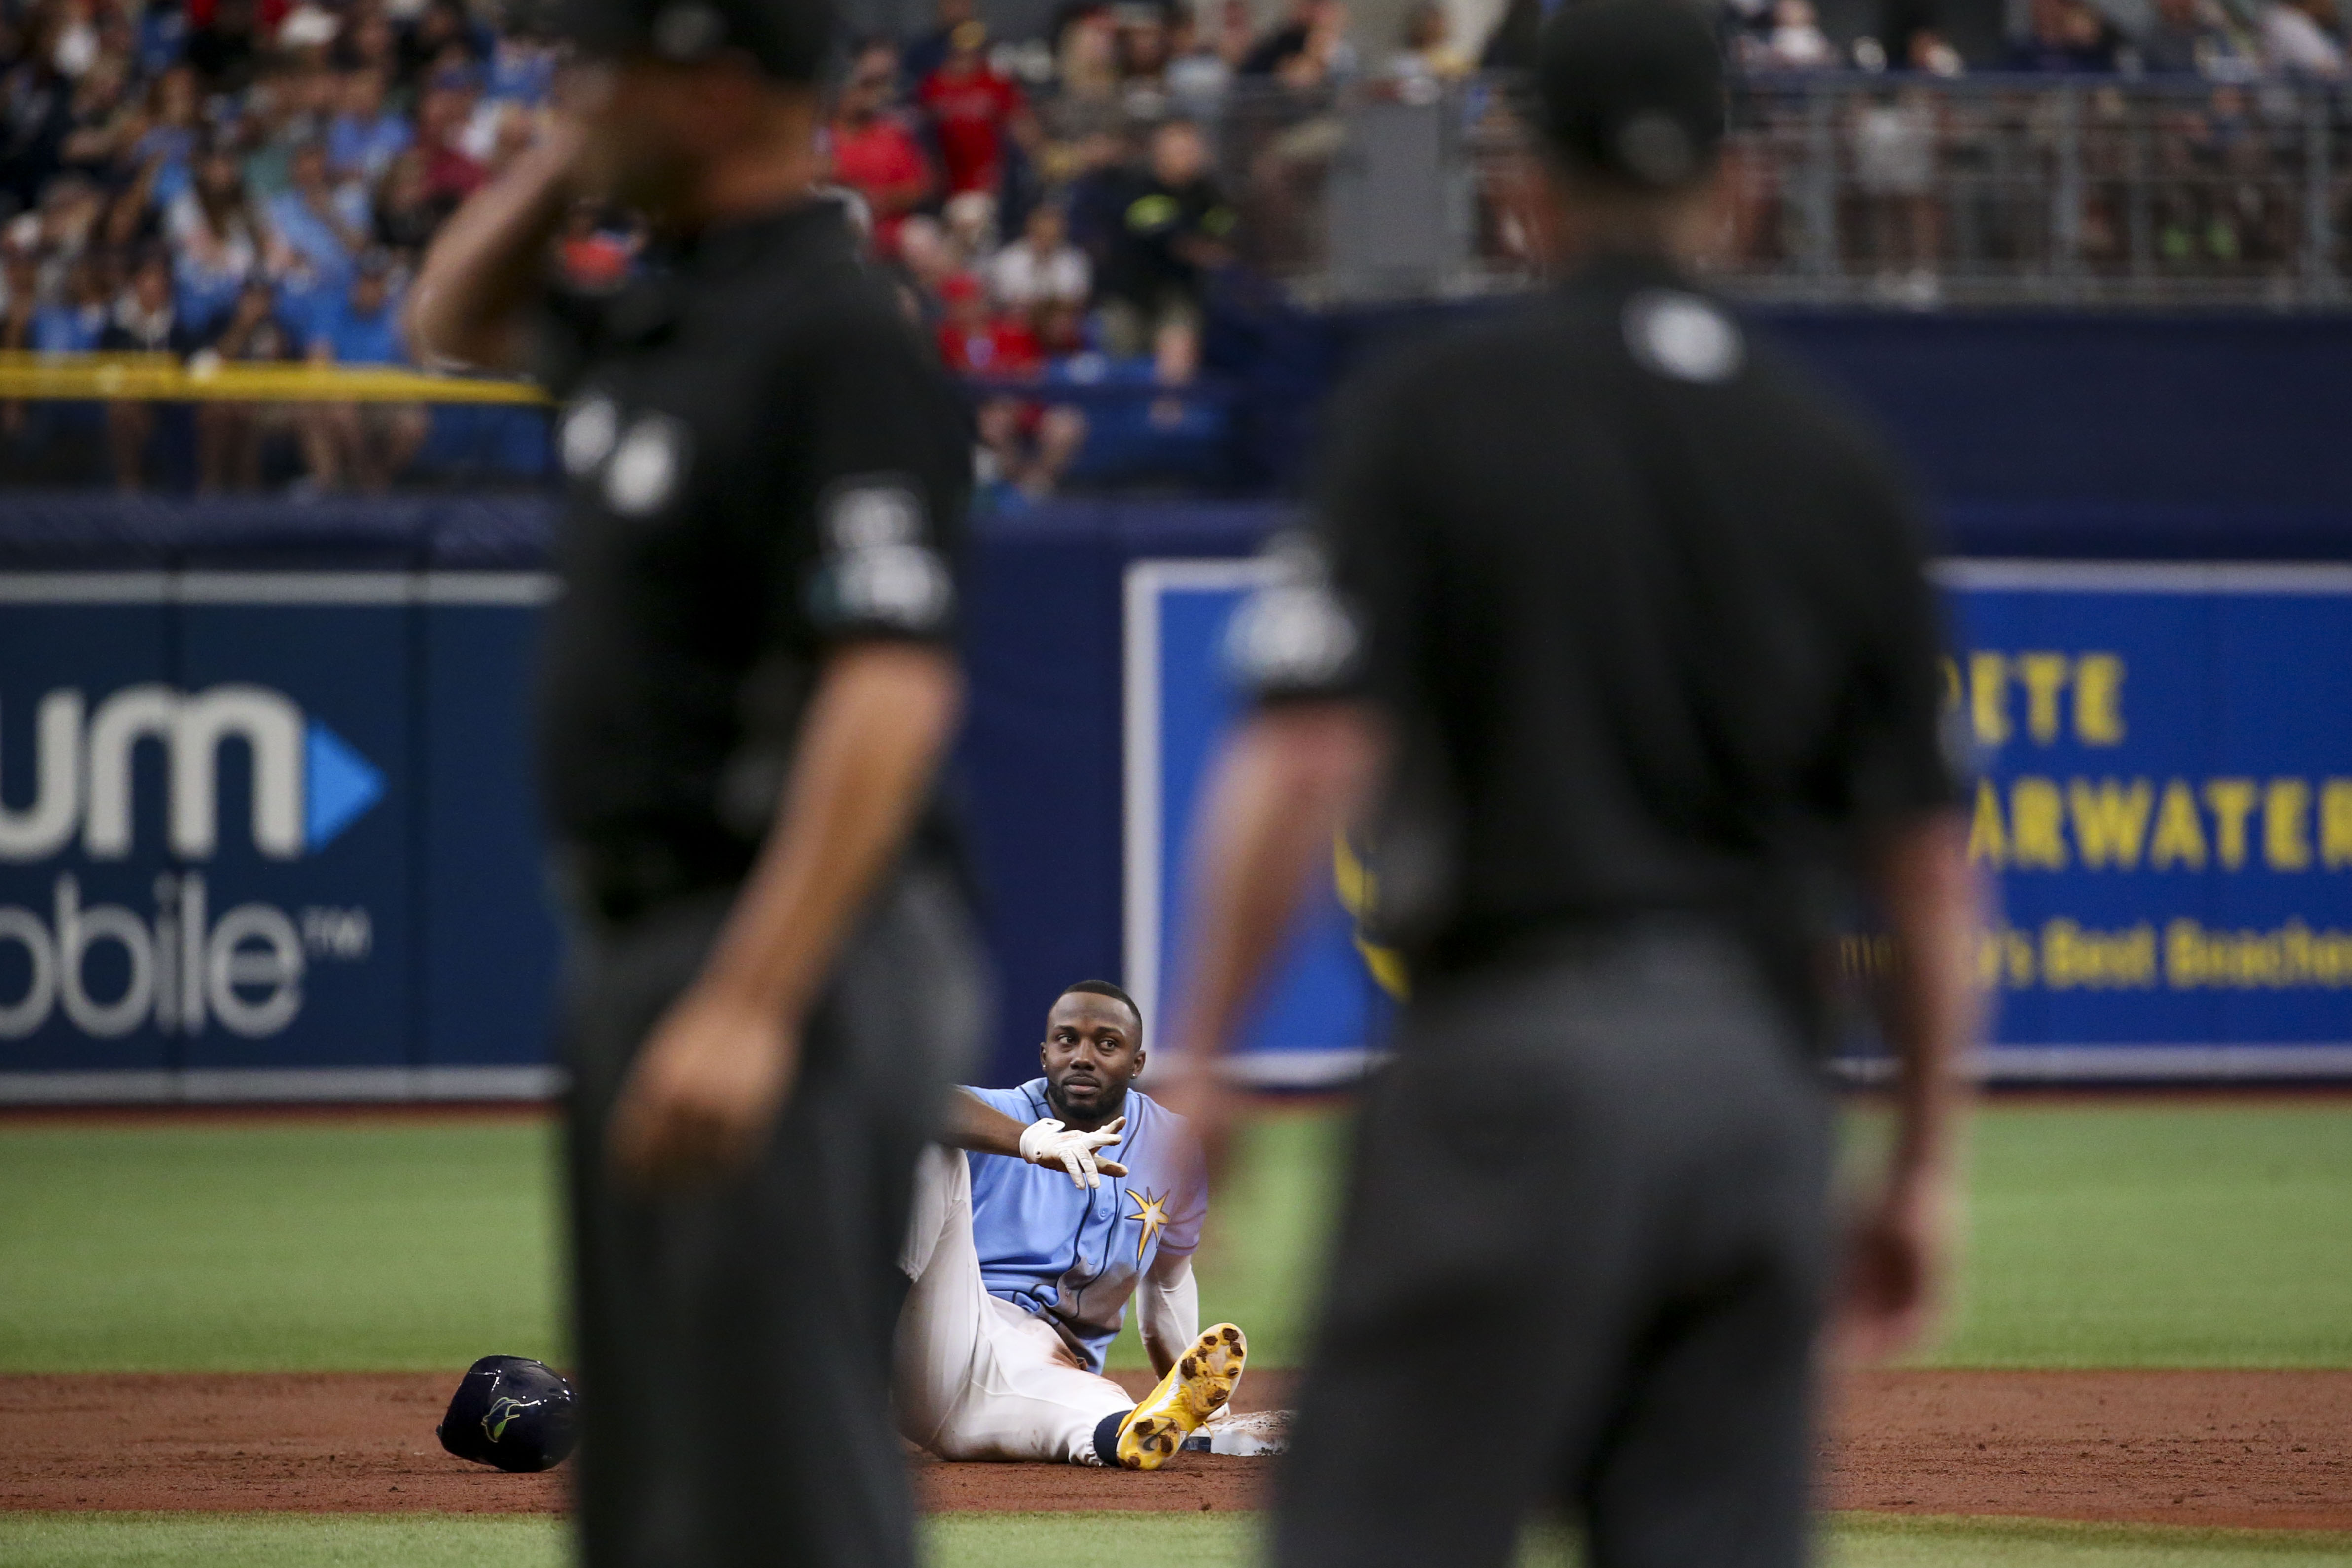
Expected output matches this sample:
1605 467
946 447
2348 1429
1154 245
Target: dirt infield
2262 1449
2258 1448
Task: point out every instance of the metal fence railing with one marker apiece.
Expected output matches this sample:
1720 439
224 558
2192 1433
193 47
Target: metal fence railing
1845 189
2015 192
1848 189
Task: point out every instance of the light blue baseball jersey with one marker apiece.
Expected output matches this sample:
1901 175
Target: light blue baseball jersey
1073 1255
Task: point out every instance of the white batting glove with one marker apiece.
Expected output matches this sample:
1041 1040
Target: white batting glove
1048 1142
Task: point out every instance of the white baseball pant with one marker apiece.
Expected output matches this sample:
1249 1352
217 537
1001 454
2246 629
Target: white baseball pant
975 1377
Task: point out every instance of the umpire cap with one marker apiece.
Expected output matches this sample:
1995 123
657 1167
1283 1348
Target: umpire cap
790 40
512 1413
1632 89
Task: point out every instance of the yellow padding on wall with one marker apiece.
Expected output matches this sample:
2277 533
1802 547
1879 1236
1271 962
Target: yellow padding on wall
164 378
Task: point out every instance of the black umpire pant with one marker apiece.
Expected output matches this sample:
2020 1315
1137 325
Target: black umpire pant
1582 1264
734 1345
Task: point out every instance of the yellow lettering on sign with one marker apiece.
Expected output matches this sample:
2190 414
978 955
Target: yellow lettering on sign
2291 957
2099 700
2181 941
1988 834
2179 833
2110 821
2286 838
1989 951
1988 698
2044 675
2097 960
2016 955
2036 824
2336 823
2231 801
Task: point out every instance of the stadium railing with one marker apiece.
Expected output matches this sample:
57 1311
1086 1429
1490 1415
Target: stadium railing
1848 188
1849 191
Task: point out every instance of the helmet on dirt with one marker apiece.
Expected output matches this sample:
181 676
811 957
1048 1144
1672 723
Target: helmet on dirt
513 1413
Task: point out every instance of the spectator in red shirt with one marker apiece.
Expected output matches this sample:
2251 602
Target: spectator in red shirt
974 343
873 154
973 108
450 174
1025 444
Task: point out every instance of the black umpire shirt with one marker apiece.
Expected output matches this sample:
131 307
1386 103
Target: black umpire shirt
764 460
1648 615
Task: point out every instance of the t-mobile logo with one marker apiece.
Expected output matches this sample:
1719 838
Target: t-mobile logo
309 784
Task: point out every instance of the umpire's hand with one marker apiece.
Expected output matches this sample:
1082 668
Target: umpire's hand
1897 1257
705 1092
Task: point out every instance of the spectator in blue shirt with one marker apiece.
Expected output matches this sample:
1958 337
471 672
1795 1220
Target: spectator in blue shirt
73 322
174 134
363 444
363 325
304 299
218 237
365 135
323 222
522 69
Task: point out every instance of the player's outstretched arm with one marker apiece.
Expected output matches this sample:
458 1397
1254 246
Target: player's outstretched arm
1168 1309
717 1068
1931 899
974 1123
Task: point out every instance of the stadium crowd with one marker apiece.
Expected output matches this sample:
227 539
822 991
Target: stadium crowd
2235 41
254 179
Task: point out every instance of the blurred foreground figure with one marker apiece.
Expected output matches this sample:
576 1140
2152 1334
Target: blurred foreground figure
1624 632
747 687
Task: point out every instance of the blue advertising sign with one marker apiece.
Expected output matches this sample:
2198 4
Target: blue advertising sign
2166 801
2166 804
1321 1019
227 847
269 834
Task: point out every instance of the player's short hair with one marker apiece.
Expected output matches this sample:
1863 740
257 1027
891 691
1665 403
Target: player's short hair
1106 988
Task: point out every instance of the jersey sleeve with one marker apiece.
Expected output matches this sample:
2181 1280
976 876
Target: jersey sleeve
1338 604
887 477
1898 753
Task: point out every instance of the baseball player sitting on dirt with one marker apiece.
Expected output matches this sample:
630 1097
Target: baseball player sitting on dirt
1022 1258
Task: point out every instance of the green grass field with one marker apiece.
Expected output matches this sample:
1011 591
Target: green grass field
2160 1236
1023 1540
2149 1234
2134 1234
276 1245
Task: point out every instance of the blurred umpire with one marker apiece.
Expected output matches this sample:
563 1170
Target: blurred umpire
1623 631
746 690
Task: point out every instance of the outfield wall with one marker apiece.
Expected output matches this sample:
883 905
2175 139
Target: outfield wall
265 824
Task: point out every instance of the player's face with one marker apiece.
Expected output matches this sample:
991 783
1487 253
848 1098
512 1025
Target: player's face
1091 1054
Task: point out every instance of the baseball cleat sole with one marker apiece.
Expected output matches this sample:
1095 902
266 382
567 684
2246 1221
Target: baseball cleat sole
1195 1388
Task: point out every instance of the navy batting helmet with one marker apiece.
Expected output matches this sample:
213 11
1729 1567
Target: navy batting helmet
512 1413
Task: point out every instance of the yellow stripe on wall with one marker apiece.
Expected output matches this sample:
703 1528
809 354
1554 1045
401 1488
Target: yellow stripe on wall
163 378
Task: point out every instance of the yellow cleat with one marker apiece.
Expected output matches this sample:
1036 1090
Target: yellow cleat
1195 1388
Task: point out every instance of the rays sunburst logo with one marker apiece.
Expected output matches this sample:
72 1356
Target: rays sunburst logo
1151 1208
